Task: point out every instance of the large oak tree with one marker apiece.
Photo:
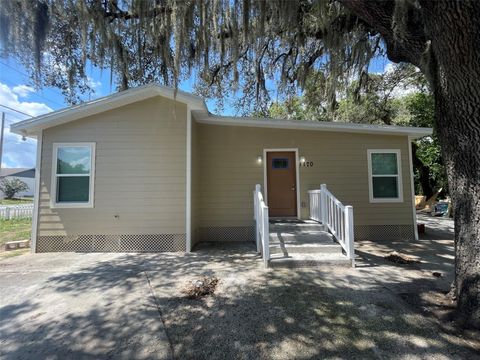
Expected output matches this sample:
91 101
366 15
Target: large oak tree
244 44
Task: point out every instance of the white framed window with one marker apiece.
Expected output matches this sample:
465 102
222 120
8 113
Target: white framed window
385 175
73 175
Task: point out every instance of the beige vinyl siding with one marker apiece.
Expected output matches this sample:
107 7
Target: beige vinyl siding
229 171
140 172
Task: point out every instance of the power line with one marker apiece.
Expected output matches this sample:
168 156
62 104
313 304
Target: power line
1 138
34 93
9 114
46 89
28 76
4 122
18 111
15 116
9 117
9 120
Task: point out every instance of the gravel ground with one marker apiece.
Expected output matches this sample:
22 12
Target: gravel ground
325 312
127 306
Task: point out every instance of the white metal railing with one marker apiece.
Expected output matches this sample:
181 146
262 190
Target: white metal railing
8 212
262 228
327 209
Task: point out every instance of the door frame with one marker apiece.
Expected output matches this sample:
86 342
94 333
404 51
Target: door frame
297 174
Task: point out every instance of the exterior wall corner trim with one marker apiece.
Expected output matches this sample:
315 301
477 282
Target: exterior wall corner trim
188 200
36 196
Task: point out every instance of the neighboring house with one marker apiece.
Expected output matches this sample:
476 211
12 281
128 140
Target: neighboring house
24 174
149 169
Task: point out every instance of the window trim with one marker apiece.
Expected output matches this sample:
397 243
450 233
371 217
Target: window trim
53 195
398 199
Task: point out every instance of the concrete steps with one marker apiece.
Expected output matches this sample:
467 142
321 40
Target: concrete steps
303 244
304 226
308 260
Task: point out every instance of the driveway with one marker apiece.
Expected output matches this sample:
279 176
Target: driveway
131 306
79 306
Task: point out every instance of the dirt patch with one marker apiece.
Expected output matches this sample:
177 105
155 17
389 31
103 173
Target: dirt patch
440 306
437 303
402 259
199 288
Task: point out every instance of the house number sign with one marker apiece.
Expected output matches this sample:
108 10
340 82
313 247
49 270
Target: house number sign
307 164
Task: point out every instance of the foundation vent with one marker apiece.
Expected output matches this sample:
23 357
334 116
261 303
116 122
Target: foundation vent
112 243
384 232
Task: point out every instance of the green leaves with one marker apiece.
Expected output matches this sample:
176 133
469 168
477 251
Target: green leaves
11 187
397 97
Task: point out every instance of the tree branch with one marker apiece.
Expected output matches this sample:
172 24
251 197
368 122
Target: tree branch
216 70
406 45
117 13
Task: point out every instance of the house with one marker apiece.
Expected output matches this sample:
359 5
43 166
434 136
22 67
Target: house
150 169
24 174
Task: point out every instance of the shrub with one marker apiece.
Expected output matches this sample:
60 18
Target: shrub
11 187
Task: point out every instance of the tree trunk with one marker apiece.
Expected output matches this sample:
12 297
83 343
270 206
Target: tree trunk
454 69
423 173
442 38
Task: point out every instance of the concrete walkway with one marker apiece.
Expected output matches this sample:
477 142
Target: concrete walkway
79 306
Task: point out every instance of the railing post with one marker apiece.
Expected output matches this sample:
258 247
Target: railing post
323 204
350 248
266 236
313 207
255 211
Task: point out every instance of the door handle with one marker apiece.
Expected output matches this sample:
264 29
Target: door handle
293 188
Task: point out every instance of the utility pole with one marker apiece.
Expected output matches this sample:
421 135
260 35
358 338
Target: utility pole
1 138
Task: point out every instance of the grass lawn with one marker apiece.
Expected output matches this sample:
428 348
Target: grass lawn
15 229
15 201
12 253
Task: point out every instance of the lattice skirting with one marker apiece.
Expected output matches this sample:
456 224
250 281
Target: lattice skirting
113 243
384 232
230 233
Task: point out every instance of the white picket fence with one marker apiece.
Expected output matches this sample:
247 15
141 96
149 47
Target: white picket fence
262 226
327 209
8 212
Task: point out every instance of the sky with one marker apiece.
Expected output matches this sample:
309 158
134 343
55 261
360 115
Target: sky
16 92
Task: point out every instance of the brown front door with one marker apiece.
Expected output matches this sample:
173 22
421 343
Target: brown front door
281 183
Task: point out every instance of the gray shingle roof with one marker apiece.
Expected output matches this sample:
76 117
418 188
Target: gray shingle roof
18 172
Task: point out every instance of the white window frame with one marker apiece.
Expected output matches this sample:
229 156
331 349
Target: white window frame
53 197
399 176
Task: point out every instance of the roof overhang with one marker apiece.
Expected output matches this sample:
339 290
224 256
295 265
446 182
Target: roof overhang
412 132
31 127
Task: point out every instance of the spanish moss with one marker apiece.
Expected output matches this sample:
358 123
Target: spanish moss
226 45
